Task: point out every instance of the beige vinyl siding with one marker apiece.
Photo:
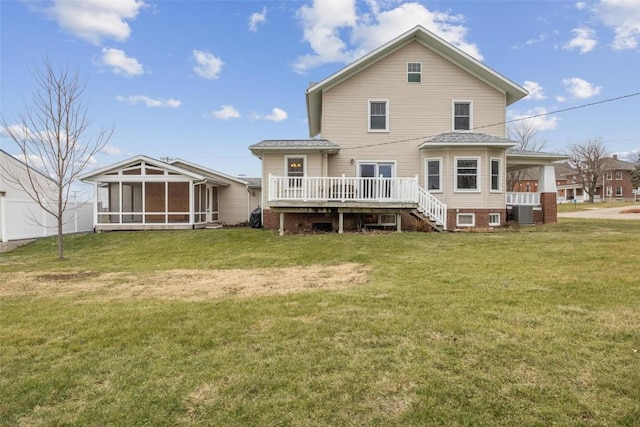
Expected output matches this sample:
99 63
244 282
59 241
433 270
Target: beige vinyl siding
274 164
233 203
462 200
415 110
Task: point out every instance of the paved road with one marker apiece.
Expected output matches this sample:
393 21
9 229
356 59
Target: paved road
608 213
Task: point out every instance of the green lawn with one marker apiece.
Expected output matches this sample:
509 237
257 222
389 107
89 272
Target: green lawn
570 207
537 326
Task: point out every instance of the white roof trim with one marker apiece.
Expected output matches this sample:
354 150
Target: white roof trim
139 158
211 171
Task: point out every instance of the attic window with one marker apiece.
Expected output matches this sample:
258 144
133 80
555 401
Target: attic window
414 72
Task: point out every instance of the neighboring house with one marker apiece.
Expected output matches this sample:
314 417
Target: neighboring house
615 184
397 145
23 218
142 193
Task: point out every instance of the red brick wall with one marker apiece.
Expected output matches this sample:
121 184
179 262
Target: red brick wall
549 208
482 218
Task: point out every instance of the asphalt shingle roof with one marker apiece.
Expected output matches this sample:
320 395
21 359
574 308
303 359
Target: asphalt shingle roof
468 137
295 143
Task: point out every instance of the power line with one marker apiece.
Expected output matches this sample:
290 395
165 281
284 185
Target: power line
577 107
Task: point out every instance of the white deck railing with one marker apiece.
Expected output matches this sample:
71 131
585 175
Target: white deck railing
343 189
354 189
528 199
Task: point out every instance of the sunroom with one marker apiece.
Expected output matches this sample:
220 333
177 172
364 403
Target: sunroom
144 194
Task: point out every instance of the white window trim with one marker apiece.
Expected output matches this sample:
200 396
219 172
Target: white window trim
386 162
426 174
387 110
413 72
295 156
494 224
619 194
453 114
500 175
473 219
609 176
618 175
478 188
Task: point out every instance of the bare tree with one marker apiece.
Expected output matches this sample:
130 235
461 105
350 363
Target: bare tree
588 161
52 135
527 139
635 173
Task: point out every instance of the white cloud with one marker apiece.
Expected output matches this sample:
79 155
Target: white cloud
149 102
581 5
277 115
207 65
120 63
343 30
226 112
535 90
629 156
257 18
95 20
623 16
584 40
111 150
561 98
537 118
579 88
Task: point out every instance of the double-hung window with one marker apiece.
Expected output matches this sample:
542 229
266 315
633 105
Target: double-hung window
467 174
618 175
434 174
462 120
495 174
618 190
414 72
378 116
295 166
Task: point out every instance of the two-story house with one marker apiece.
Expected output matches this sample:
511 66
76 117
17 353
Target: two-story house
413 130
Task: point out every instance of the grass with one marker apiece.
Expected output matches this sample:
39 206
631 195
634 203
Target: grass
537 326
571 207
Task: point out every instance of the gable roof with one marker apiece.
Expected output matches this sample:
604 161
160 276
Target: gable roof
206 171
512 91
22 164
139 158
270 145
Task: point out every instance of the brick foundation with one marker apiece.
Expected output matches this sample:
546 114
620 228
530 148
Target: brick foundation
481 218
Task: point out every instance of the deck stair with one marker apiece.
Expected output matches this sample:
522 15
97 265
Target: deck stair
431 209
213 225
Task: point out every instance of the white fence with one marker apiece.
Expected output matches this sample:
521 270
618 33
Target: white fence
25 219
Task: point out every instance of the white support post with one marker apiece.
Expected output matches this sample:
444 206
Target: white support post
399 223
341 223
3 221
191 207
282 223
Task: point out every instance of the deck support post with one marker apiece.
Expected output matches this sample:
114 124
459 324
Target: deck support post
399 223
341 223
282 223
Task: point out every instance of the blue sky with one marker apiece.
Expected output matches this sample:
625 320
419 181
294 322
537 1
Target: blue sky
203 80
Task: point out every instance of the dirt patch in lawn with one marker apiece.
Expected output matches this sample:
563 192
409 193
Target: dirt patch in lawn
185 284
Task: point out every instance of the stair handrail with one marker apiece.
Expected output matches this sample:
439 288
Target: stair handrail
430 206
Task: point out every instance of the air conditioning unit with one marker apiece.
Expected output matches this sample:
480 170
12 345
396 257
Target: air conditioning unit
523 214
